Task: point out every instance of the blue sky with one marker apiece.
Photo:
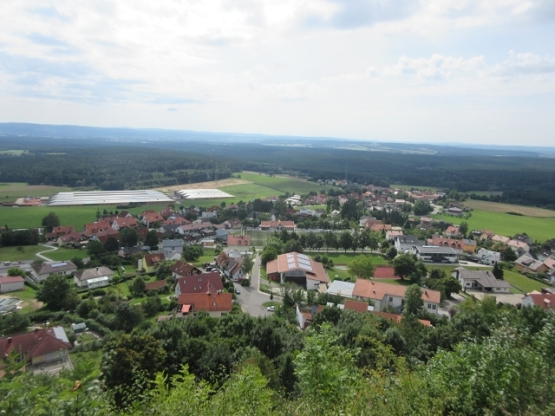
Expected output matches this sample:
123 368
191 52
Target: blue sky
391 70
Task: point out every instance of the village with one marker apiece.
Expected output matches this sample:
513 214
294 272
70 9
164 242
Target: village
260 257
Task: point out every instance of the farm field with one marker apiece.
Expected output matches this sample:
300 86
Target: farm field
540 229
256 186
78 216
501 207
409 187
9 192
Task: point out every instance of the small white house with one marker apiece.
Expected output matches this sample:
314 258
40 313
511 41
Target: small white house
488 256
11 283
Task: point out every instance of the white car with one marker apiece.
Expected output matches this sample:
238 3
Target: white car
271 308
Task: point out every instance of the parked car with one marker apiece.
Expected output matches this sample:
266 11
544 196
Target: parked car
271 308
238 291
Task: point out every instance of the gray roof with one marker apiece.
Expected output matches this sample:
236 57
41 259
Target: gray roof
172 243
436 249
410 239
94 273
54 267
344 289
484 277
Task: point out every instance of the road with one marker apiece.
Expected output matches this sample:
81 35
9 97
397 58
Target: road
52 248
251 299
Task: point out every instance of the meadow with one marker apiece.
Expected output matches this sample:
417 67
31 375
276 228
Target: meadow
537 228
9 192
78 216
504 208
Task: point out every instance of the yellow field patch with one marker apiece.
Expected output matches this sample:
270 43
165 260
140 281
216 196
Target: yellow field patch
500 207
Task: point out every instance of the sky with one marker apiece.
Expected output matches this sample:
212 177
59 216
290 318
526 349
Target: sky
470 71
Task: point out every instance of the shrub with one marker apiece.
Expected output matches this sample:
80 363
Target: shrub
98 292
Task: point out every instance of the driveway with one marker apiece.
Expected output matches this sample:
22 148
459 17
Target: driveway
500 297
251 299
51 248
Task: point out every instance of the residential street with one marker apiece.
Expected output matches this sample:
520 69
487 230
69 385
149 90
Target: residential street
251 299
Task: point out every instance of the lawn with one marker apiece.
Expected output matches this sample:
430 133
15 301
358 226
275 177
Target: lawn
13 254
207 257
522 283
504 208
28 294
9 192
78 216
342 261
540 229
66 254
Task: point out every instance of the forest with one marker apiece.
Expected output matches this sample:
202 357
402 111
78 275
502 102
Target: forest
109 164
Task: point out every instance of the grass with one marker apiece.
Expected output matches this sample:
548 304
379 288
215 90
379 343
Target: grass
11 191
522 283
12 253
344 259
540 229
207 257
66 254
28 294
409 187
271 303
503 208
78 216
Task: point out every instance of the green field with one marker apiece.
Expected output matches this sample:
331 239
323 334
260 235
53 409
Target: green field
9 192
522 283
12 254
261 186
78 216
66 254
540 229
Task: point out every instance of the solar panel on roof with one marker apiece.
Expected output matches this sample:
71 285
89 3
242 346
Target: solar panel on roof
58 264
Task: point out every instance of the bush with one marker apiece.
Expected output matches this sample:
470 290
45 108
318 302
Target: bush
98 292
94 326
246 282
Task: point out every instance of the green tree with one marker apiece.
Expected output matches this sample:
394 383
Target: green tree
391 253
111 245
422 208
276 243
151 239
293 245
16 271
137 286
463 228
129 237
127 317
192 253
404 265
268 254
330 240
498 270
152 306
51 221
54 291
346 240
247 264
362 267
508 254
13 323
95 249
413 300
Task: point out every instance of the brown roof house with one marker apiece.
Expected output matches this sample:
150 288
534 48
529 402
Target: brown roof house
543 300
40 346
239 240
149 261
199 283
214 304
278 225
41 271
182 269
298 268
95 277
11 283
389 295
526 263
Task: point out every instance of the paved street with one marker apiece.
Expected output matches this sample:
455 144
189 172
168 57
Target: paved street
251 299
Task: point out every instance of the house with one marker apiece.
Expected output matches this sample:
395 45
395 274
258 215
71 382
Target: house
221 234
125 222
550 263
59 231
404 243
523 238
149 261
214 304
233 224
150 218
357 306
40 346
157 284
181 269
340 288
278 225
379 227
199 283
74 238
393 234
490 257
11 283
500 239
239 240
397 319
453 231
234 269
482 280
129 251
466 245
388 295
543 300
527 264
519 247
435 254
172 246
94 228
458 212
95 277
41 271
298 268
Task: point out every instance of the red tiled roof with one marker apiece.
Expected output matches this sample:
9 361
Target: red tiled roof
184 269
126 222
32 344
201 283
63 229
239 240
273 224
218 302
398 318
290 261
543 300
152 259
11 279
370 289
355 305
